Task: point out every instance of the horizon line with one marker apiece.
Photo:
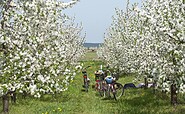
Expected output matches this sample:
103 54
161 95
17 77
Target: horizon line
94 42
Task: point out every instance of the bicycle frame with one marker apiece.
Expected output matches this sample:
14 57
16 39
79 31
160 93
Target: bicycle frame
99 77
112 90
112 87
98 84
85 79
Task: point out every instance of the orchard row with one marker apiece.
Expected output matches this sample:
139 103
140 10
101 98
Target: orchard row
150 41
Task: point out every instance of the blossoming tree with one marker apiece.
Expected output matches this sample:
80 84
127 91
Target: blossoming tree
118 48
39 47
166 20
154 40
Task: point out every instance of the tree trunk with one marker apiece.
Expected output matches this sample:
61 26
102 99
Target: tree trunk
24 94
154 84
13 97
5 104
146 83
173 94
5 98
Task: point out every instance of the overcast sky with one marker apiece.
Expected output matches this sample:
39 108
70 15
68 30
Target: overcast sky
95 16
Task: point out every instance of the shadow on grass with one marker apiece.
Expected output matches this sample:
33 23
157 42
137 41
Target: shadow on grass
110 100
141 101
83 90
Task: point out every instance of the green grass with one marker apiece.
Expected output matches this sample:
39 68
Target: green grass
76 101
90 56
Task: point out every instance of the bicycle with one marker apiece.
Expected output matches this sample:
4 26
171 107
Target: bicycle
99 77
86 79
99 80
111 88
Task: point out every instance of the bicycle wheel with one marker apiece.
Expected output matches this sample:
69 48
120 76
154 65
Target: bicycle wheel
119 90
114 95
112 92
102 90
86 85
98 85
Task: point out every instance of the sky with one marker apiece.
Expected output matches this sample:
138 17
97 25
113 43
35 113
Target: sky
95 16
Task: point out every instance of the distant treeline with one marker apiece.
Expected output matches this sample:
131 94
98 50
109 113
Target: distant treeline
92 44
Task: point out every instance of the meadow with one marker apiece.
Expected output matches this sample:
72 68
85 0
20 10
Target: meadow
76 101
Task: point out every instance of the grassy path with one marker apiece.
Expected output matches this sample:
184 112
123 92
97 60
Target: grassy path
87 103
134 101
76 101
